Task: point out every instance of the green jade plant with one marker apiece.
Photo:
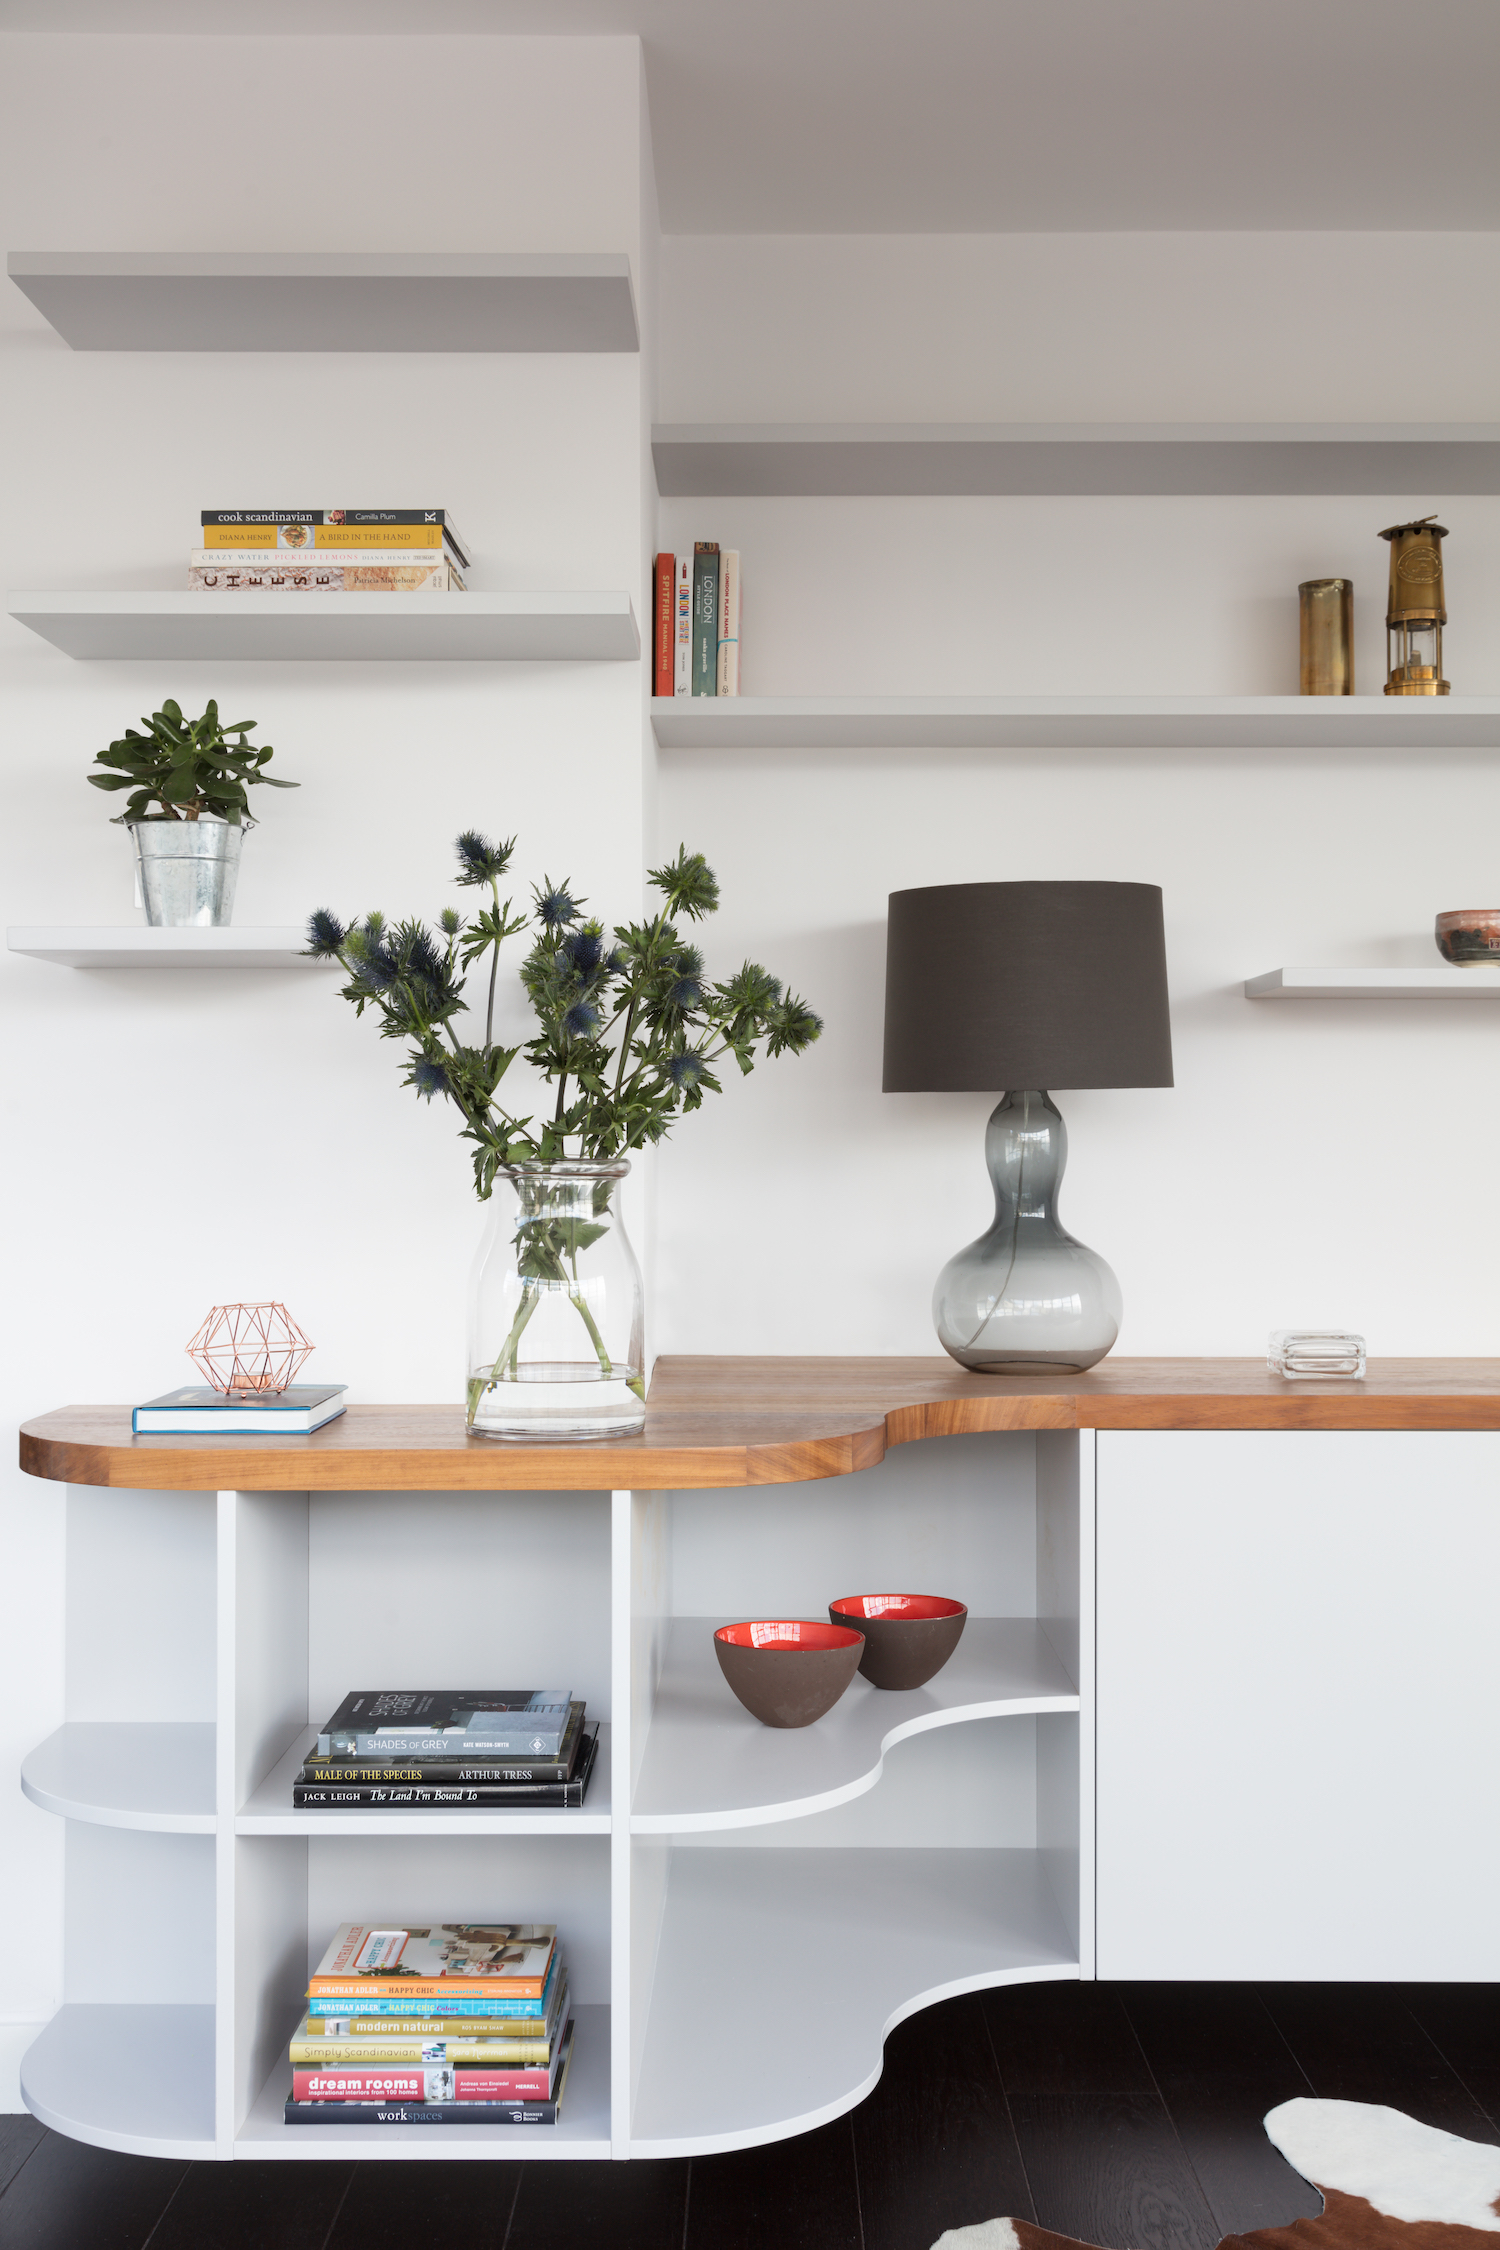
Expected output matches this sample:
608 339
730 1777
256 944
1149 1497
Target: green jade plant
188 767
629 1031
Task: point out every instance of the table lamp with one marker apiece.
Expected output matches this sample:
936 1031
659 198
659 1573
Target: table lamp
1022 986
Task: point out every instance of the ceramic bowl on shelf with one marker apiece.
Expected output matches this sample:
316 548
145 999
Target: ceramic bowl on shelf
908 1637
1469 936
788 1671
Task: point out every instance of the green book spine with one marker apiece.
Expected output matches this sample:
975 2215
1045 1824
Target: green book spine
705 617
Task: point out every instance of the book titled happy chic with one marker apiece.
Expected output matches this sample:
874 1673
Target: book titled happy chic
498 1959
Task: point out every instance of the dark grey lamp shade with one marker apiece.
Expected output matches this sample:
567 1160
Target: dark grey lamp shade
993 986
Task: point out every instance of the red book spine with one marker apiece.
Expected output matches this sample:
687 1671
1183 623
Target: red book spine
663 638
422 2083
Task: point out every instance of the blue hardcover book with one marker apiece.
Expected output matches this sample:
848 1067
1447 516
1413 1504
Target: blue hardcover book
294 1412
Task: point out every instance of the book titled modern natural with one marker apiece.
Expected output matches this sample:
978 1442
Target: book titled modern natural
458 2023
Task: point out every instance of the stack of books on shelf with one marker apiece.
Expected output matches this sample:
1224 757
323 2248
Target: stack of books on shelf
463 2024
427 1748
696 642
328 551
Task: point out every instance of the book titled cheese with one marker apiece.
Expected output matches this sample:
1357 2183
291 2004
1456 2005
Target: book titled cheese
484 1960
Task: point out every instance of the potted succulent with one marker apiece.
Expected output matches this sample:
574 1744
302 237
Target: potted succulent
187 850
629 1034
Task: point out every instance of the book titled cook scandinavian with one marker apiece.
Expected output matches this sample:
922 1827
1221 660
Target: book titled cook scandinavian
295 1412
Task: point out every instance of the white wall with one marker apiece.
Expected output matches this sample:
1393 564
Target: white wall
1314 1162
173 1140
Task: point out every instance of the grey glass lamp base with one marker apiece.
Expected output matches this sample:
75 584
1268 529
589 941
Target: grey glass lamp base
1026 1296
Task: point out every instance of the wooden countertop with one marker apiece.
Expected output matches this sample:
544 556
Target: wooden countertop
726 1422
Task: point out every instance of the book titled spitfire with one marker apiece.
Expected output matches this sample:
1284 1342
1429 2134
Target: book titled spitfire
485 1960
391 1724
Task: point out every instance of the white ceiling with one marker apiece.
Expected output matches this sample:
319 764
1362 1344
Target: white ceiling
980 116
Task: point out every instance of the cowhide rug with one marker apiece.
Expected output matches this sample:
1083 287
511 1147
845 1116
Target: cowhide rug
1387 2183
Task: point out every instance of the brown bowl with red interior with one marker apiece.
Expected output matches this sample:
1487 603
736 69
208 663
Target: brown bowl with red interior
908 1637
788 1671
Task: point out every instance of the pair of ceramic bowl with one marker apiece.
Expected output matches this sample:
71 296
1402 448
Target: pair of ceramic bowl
789 1671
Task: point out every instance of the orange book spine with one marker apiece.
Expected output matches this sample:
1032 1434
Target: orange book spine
665 650
425 1989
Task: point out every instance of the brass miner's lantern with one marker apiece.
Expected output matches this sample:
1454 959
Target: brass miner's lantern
1414 612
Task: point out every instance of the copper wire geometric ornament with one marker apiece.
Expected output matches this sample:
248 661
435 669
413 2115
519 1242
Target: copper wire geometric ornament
244 1348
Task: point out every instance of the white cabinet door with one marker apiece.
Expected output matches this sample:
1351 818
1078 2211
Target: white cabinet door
1299 1704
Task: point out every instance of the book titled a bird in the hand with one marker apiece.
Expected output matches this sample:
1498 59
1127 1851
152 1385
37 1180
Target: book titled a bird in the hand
295 1412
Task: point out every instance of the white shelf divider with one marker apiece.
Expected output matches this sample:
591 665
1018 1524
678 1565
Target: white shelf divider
1076 722
779 1973
135 1773
128 2077
269 1810
709 1765
334 627
137 947
779 460
330 301
581 2131
1478 983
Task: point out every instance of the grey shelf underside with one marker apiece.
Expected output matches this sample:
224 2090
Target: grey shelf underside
1099 460
255 301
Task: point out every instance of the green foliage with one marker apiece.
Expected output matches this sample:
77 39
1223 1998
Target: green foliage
187 767
629 1028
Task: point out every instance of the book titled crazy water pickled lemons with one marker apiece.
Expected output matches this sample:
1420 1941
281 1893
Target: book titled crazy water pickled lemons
485 1960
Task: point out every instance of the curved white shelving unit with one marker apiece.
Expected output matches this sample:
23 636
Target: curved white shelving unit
269 1810
332 301
1478 983
783 460
335 628
709 1765
134 947
137 2079
1075 722
582 2131
127 1774
780 1972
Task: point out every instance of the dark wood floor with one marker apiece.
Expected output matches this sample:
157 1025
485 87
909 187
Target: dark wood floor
1128 2115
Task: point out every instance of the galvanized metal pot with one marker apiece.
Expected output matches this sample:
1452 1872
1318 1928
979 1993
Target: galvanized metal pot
185 871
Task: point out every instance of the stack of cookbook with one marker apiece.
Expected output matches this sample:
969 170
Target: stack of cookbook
327 551
464 2023
426 1748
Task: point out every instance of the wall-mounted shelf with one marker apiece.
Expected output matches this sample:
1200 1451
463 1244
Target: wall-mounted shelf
709 1765
140 948
777 460
353 628
327 301
1375 984
127 1774
1076 722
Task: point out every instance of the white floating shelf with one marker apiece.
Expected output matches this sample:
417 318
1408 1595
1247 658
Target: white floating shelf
581 2131
335 627
1375 984
269 1810
140 948
127 1774
138 2079
780 1971
709 1765
703 460
1076 722
326 301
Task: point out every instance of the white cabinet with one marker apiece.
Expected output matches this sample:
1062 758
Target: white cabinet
1298 1704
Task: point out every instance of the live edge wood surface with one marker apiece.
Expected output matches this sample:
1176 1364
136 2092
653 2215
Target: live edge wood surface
735 1422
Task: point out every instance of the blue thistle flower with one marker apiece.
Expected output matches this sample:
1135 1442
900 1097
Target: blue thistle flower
585 949
450 922
684 1070
479 860
325 933
686 993
556 907
429 1078
375 969
581 1021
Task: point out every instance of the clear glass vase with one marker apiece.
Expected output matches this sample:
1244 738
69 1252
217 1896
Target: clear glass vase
556 1309
1026 1295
